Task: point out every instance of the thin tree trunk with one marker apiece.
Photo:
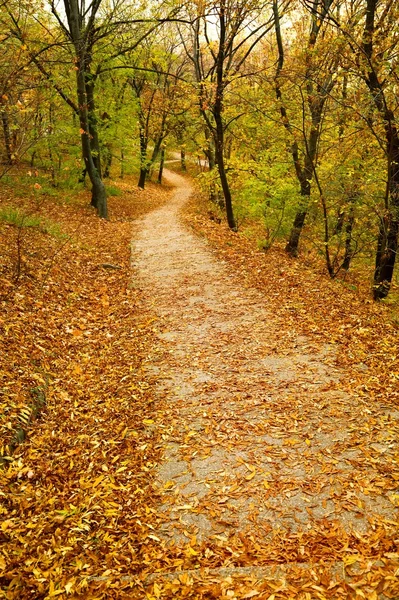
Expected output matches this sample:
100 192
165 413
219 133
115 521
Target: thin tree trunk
348 239
122 171
143 159
218 131
107 161
209 150
49 146
219 139
161 165
315 101
92 119
183 159
7 136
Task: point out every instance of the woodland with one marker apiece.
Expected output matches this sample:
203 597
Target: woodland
283 115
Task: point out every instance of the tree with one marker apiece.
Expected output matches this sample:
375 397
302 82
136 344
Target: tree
81 24
314 89
379 75
20 97
223 35
160 91
372 46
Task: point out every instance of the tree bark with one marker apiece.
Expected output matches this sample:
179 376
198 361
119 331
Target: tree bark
6 134
161 164
387 244
107 161
122 171
183 159
218 131
92 118
75 22
348 240
143 159
316 101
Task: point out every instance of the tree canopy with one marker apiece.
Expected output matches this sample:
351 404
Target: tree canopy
291 103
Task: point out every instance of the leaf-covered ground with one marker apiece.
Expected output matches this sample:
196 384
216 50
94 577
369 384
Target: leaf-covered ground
219 423
75 495
276 455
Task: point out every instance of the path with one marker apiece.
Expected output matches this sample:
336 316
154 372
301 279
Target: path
259 439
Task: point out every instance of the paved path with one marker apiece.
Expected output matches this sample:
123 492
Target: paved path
259 440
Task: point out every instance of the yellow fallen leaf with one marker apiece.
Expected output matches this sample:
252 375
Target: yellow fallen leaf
2 564
250 467
69 586
251 594
120 469
351 559
97 481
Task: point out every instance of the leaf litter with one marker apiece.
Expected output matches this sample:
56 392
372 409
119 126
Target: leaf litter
208 432
277 454
75 498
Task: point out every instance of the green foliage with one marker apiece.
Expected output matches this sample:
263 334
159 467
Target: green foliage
113 190
16 217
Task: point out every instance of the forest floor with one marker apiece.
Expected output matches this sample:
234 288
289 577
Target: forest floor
279 470
218 423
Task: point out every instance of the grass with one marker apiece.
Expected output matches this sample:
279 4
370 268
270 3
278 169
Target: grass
16 217
113 190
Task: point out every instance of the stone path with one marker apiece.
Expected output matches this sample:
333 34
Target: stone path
258 436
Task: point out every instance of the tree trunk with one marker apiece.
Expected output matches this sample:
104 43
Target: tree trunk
142 177
348 240
92 119
50 146
219 130
316 100
146 165
98 192
7 136
99 195
387 245
223 178
209 151
183 159
107 160
122 171
305 175
293 242
161 164
143 159
180 140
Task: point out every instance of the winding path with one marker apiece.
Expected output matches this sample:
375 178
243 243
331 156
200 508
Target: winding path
258 437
